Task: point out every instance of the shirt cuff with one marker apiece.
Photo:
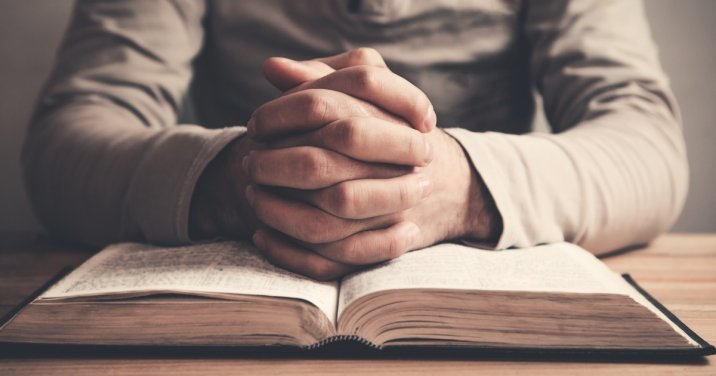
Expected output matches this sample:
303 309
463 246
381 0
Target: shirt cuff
495 180
162 186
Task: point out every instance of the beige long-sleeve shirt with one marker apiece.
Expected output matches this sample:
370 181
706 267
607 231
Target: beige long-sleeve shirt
105 159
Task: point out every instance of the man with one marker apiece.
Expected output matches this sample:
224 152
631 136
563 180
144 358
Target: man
343 165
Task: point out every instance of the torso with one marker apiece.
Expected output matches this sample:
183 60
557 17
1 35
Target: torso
469 57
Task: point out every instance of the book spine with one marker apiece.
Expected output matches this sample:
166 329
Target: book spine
343 338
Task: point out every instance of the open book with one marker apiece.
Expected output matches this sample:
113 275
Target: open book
226 294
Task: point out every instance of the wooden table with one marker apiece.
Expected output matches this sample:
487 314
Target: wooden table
678 269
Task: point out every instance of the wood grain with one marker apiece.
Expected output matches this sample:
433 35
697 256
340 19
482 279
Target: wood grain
677 269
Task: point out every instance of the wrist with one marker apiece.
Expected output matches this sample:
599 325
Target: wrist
480 219
484 222
218 207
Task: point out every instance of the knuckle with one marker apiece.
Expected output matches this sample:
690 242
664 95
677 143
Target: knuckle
395 246
365 79
314 105
365 56
346 134
344 200
313 165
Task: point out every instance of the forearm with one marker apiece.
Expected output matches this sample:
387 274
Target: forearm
613 181
104 160
94 175
614 173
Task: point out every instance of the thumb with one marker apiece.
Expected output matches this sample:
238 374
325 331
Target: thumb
285 73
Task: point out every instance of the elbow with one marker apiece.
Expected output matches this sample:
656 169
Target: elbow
41 192
647 197
664 213
678 178
57 191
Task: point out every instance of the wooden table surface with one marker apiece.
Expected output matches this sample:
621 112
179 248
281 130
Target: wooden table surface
677 269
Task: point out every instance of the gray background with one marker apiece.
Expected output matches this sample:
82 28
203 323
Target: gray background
685 31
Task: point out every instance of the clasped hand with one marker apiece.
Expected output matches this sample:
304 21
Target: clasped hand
344 169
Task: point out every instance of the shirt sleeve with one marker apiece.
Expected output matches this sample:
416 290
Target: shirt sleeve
614 172
104 160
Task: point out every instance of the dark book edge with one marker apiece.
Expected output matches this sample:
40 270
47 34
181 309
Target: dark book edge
707 348
7 317
357 347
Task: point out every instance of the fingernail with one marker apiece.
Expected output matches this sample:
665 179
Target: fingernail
425 186
282 59
250 194
431 119
286 60
295 63
251 127
245 165
428 150
259 240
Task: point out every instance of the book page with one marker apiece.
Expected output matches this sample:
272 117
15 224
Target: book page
559 267
203 269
